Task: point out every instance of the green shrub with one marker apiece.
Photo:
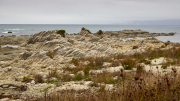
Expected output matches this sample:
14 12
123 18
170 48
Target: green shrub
27 78
51 81
142 60
78 77
102 88
61 32
166 43
164 66
137 55
69 69
86 70
100 32
173 63
105 77
148 62
89 31
128 63
45 89
95 67
54 74
94 84
139 68
88 78
75 61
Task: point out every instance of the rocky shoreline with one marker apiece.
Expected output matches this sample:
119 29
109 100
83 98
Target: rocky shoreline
47 51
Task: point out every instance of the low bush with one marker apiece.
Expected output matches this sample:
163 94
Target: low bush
166 43
115 63
147 62
66 78
99 61
102 88
164 66
142 60
100 32
128 86
86 71
38 78
94 84
128 63
61 32
45 89
78 68
27 78
53 73
51 81
83 28
104 77
78 77
75 61
89 31
139 68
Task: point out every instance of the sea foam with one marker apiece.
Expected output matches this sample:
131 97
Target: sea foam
14 29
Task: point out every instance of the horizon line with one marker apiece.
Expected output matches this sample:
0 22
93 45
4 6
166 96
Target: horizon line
102 24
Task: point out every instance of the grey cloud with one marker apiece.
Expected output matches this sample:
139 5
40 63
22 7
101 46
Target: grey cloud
86 11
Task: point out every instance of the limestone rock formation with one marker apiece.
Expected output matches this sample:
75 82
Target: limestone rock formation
47 51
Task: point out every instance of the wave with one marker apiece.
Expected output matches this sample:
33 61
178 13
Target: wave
7 32
14 29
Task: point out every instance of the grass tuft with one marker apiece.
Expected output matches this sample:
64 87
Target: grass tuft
128 63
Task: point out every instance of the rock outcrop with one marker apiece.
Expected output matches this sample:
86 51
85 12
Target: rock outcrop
47 50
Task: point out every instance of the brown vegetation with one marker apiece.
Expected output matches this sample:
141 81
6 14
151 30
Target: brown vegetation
139 85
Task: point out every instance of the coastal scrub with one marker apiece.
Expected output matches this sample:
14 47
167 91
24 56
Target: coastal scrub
61 32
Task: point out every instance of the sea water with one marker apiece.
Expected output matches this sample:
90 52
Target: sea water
29 29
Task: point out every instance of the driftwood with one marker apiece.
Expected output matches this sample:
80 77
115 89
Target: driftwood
21 87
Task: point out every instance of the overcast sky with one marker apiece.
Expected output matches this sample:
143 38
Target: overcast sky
86 11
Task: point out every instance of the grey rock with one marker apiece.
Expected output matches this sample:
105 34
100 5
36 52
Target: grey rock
5 99
25 55
94 39
71 41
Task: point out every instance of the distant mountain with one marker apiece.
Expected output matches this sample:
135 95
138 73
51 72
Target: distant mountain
155 22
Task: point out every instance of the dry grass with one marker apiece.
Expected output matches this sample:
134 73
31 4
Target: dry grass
104 77
144 86
128 86
51 54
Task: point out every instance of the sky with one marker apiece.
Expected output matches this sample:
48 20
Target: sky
86 11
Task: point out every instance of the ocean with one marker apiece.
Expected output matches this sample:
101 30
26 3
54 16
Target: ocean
29 29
